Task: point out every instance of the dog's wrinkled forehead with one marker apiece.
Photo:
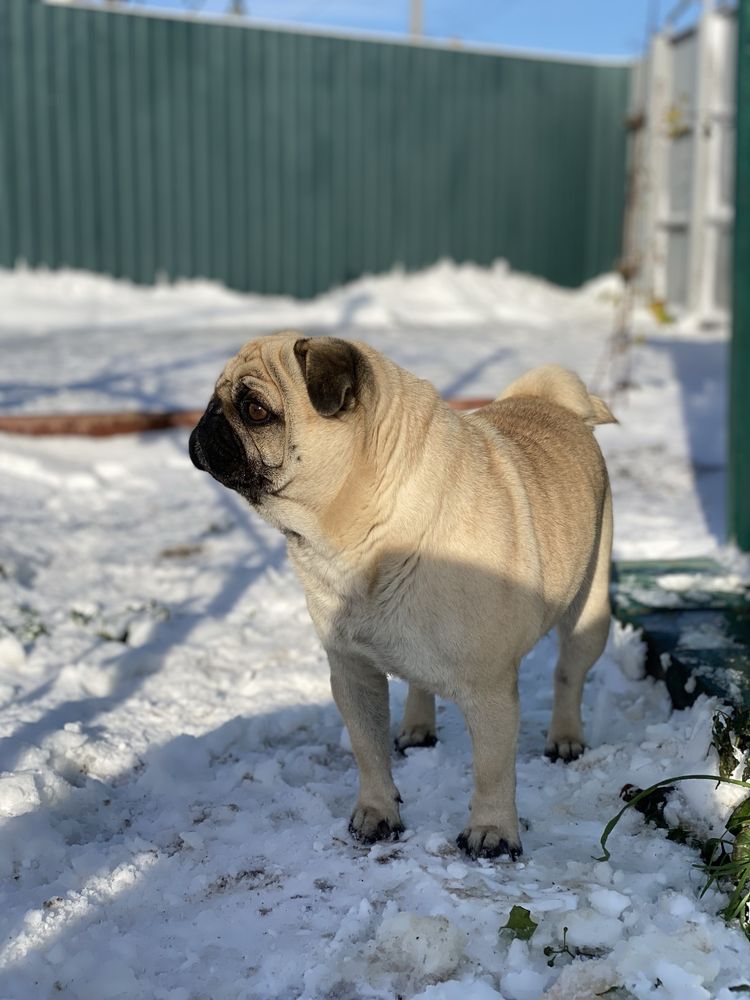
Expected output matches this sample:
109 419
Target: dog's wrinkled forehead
258 365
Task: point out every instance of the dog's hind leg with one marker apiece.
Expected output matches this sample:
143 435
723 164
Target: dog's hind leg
418 728
582 635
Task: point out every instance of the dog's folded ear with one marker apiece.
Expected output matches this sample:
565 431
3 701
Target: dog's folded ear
333 371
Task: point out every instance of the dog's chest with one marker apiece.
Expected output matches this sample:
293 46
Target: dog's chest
393 639
382 621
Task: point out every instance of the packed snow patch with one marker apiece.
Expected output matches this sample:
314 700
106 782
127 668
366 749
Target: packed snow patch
429 947
18 794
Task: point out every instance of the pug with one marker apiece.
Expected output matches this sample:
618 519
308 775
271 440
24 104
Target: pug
433 546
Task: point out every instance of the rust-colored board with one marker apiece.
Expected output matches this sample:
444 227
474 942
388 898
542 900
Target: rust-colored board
109 424
96 424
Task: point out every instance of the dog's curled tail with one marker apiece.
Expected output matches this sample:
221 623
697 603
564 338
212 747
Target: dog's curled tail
566 389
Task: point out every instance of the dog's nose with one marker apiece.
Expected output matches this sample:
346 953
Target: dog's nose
196 453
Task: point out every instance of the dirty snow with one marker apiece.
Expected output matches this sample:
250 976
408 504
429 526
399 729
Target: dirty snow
175 784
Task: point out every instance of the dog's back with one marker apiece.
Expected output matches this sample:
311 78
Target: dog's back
548 417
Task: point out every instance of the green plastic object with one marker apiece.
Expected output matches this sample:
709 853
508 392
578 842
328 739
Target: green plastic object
695 621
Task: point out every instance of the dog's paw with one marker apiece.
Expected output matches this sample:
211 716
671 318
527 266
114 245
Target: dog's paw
415 736
565 750
369 824
488 842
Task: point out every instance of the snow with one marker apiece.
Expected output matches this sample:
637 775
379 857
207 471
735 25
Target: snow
522 982
175 781
629 651
430 947
609 902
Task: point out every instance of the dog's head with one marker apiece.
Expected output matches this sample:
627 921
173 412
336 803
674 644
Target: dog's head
286 422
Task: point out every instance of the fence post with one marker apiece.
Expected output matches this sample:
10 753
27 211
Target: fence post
739 373
656 180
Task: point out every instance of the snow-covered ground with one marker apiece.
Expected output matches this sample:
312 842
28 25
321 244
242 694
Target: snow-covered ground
175 784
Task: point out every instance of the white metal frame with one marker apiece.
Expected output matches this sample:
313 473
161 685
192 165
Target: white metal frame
681 255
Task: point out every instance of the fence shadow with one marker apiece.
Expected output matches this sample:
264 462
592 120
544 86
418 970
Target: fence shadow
132 666
701 367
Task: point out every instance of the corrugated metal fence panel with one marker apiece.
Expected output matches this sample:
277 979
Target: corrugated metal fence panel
288 163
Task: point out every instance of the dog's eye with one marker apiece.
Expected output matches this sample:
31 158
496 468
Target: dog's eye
254 412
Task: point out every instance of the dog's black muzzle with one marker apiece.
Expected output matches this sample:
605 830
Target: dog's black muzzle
214 448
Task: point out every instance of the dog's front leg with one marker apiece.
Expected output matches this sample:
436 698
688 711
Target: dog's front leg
361 694
492 718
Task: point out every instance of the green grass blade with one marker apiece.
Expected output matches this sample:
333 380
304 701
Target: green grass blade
647 791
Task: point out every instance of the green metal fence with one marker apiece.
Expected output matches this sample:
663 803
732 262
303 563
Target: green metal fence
282 162
739 360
